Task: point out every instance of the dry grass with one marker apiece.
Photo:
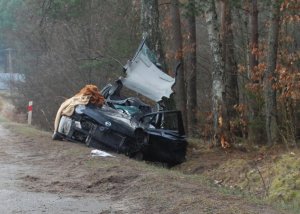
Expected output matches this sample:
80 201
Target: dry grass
139 186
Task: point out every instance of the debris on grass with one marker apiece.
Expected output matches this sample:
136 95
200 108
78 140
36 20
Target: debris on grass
99 153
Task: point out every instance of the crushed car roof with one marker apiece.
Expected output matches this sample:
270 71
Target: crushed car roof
144 77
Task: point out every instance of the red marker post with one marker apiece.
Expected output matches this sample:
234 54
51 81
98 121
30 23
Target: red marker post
30 112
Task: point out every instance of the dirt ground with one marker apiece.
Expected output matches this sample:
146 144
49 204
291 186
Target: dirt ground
44 176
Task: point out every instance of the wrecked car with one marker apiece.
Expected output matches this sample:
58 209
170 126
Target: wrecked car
126 124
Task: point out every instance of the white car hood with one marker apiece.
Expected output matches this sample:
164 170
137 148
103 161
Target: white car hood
144 77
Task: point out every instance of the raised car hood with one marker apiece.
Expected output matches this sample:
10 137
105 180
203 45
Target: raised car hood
144 77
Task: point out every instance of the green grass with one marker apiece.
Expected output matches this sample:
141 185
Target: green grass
22 129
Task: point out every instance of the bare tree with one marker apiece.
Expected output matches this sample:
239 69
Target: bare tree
64 45
177 49
269 76
253 61
254 133
191 69
230 65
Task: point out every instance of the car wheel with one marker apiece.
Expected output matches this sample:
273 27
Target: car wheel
142 138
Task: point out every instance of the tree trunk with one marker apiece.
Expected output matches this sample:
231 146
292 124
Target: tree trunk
177 49
230 65
90 39
269 76
254 131
253 58
150 27
218 86
191 72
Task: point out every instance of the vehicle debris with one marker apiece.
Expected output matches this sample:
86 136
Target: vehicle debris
99 153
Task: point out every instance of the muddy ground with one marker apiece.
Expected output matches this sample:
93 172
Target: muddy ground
39 175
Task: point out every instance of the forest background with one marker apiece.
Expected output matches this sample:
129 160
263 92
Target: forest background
240 77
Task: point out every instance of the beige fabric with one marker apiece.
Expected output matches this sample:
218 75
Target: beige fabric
67 108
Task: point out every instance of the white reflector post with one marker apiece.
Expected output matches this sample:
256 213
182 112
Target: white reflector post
30 112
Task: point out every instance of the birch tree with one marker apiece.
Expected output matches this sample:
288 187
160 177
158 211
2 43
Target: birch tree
218 87
150 27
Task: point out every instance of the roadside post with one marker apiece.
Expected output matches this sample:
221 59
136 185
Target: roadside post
30 112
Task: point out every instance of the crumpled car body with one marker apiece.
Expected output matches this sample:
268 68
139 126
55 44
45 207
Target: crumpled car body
126 124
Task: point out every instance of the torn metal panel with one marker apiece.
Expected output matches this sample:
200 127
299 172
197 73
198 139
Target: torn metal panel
144 77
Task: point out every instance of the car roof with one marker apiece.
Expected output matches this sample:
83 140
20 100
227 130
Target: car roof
144 77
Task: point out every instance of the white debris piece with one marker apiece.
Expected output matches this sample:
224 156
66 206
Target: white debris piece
97 152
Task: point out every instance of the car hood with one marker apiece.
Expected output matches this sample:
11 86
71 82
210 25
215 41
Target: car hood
144 77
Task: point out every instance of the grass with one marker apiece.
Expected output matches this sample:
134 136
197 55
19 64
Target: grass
3 120
292 207
158 172
23 129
